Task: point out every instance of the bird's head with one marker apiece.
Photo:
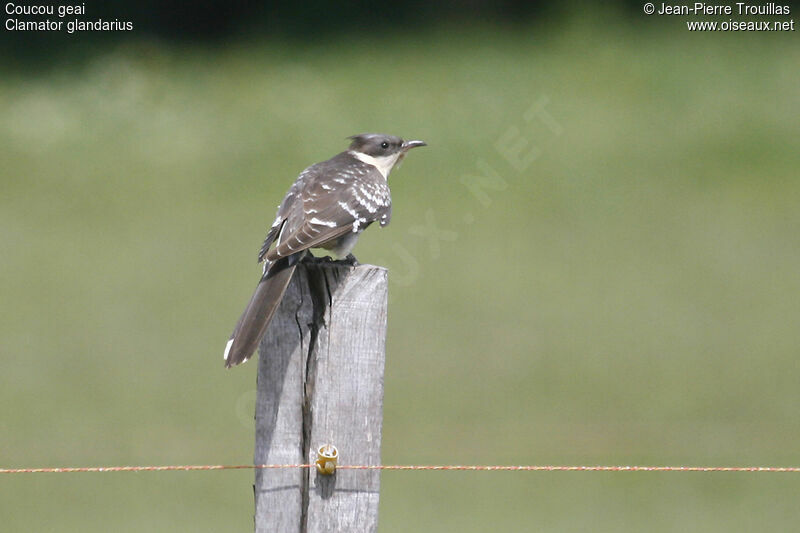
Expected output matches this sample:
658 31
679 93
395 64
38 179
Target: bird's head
381 151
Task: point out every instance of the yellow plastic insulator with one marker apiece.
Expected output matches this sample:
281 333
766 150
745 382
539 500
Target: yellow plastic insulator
327 457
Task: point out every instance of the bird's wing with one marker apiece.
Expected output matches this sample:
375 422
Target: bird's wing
290 213
339 196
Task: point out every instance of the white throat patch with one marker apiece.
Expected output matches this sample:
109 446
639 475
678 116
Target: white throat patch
384 164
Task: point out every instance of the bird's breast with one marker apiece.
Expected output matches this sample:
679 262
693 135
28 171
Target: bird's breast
340 247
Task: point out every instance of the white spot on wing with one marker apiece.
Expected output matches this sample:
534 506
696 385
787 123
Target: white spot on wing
227 349
328 223
357 223
349 209
363 201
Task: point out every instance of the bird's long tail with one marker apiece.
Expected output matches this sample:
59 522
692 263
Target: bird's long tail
258 313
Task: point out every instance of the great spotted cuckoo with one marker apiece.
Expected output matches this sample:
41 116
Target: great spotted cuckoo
328 206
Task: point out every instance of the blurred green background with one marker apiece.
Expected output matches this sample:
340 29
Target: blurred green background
631 295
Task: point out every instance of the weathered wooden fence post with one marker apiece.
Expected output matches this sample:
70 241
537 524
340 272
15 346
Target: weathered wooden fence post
320 381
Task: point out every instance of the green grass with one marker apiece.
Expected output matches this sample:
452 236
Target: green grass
629 297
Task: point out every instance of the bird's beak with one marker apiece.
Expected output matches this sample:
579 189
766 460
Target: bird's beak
408 145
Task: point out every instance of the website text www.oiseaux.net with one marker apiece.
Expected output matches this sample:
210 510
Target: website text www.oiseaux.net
735 25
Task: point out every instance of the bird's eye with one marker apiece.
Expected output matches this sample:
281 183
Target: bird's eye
384 145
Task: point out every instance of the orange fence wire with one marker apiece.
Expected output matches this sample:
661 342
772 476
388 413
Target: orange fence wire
530 468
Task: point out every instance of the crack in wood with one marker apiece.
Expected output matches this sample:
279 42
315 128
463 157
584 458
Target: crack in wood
321 382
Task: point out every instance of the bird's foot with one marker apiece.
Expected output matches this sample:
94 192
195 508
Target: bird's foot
316 260
350 260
